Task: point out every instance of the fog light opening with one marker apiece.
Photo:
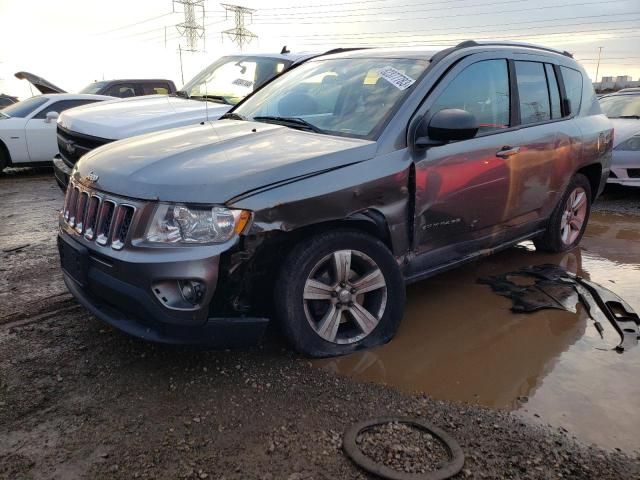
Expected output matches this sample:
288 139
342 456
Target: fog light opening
192 291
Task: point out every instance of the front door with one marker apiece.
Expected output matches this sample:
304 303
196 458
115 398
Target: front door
462 188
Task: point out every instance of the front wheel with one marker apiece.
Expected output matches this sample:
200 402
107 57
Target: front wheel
338 292
569 219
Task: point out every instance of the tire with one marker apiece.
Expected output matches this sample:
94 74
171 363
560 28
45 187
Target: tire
309 295
4 160
555 238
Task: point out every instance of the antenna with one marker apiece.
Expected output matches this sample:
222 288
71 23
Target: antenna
206 100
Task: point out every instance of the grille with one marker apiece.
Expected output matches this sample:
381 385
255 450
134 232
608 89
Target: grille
633 172
100 218
73 145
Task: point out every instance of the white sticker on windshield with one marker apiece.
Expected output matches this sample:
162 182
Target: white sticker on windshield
396 78
242 83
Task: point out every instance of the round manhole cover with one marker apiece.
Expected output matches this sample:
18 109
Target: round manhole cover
403 449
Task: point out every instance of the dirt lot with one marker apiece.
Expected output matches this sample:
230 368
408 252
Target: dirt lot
79 400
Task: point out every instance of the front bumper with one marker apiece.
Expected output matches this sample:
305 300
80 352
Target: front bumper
62 172
625 168
121 293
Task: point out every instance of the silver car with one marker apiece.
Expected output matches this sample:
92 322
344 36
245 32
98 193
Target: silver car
623 108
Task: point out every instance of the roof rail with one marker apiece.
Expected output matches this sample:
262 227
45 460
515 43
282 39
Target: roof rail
473 43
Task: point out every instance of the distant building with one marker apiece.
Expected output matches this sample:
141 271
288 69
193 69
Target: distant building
612 84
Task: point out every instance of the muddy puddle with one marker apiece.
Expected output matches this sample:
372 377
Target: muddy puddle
460 341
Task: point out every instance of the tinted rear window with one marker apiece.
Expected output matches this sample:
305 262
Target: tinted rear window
573 86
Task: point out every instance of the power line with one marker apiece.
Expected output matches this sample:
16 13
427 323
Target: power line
470 34
449 40
469 29
439 17
346 13
135 23
464 27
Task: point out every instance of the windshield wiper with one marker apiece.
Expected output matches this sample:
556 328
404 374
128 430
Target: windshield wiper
292 122
213 98
630 116
232 116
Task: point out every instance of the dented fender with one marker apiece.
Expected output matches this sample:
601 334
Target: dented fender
378 187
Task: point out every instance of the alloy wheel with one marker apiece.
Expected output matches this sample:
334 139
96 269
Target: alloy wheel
345 296
573 216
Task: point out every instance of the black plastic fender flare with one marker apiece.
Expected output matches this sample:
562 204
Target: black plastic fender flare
456 456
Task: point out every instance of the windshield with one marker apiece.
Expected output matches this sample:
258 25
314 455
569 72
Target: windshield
93 88
24 108
230 79
349 97
616 106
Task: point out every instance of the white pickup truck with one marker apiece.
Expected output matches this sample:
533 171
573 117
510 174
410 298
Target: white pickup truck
209 95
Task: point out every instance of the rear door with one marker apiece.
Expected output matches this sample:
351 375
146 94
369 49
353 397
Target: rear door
543 145
42 143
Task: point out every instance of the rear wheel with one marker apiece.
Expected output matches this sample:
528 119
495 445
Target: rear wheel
569 219
338 292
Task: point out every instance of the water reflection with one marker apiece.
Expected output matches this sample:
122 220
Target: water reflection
459 341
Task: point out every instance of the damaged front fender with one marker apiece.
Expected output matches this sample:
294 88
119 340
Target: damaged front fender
377 189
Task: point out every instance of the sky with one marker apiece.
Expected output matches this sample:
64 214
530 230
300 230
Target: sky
74 42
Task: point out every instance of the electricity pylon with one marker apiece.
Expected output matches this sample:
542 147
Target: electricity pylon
191 29
240 35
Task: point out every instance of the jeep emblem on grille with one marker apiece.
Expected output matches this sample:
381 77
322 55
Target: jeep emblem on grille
92 177
70 147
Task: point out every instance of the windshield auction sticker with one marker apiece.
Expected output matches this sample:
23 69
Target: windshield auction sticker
396 78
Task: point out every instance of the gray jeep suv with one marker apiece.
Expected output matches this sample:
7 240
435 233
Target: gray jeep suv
319 197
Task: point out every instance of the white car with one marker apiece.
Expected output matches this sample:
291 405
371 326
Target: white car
209 95
623 108
28 128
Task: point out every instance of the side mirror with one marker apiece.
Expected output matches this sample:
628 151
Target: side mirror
448 125
51 117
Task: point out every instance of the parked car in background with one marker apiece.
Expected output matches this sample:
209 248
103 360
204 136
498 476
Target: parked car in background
207 96
130 88
6 100
28 128
317 198
121 88
623 109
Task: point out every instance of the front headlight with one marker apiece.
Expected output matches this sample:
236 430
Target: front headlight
630 144
182 224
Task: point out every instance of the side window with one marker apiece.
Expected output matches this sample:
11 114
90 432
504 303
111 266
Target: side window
554 91
61 106
483 90
573 86
155 88
533 92
122 90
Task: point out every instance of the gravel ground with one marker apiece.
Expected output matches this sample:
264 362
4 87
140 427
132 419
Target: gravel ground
403 448
619 199
79 400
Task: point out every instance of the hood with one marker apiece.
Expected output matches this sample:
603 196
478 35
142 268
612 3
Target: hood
217 161
123 118
623 129
40 83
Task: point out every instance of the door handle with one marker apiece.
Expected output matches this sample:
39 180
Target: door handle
506 152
